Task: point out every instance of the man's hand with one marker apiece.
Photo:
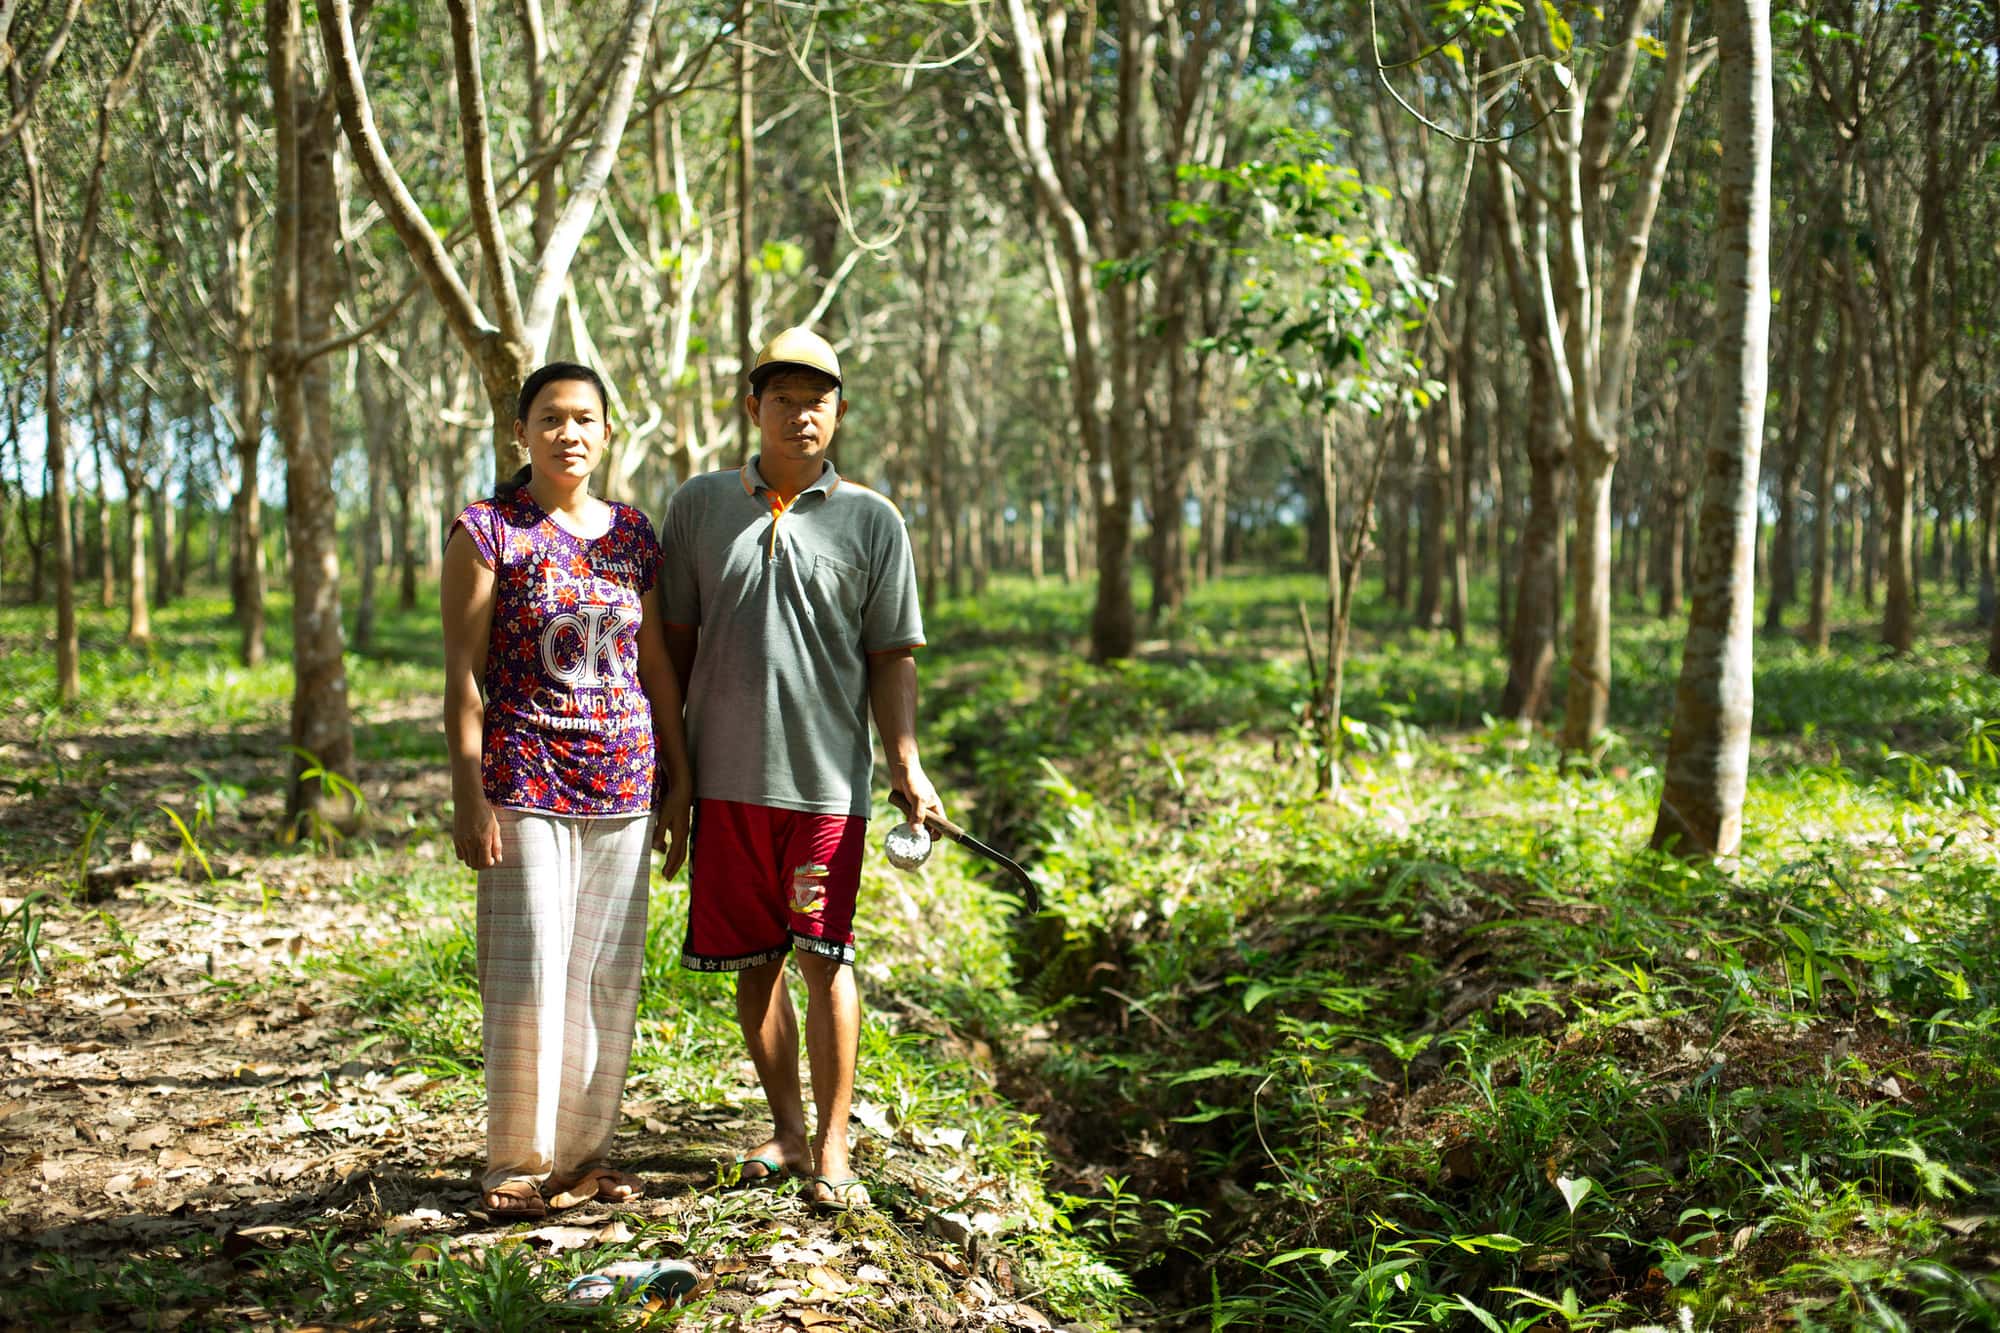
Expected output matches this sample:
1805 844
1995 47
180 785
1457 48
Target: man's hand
475 833
670 827
916 788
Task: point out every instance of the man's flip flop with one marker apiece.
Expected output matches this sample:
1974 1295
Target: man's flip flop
772 1171
840 1196
599 1183
520 1200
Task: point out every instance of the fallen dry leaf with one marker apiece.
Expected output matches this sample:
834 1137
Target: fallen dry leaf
1022 1314
153 1136
559 1239
947 1261
417 1220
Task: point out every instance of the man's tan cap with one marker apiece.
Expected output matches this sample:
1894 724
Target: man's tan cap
795 347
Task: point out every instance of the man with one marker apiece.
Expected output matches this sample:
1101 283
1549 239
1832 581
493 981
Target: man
791 614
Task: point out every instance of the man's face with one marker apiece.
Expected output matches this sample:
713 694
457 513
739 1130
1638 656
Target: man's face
565 432
797 413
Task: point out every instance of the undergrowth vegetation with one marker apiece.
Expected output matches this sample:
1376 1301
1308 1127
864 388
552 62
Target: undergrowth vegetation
1452 1051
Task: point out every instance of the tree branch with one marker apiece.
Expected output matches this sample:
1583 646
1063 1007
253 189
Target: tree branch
478 157
357 117
552 265
24 100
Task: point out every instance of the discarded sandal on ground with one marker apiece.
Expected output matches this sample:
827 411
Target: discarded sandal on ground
600 1183
668 1281
516 1200
840 1196
770 1170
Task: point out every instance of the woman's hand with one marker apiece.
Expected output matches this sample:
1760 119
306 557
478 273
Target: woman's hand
475 832
670 827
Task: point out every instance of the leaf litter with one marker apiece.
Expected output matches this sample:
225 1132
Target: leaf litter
191 1087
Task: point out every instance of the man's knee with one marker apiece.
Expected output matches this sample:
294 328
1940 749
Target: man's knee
822 975
758 982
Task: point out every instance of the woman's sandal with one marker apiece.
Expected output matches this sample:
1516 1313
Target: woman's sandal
598 1183
839 1196
516 1200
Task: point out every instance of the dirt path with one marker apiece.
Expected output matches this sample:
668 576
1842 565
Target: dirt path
190 1081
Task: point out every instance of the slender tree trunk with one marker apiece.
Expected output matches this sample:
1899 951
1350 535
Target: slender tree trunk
746 133
378 428
1167 552
190 514
107 544
304 260
1989 539
1899 618
138 614
1671 548
1586 702
165 541
1467 425
1708 755
1819 618
10 445
1434 510
1215 515
1536 627
1327 712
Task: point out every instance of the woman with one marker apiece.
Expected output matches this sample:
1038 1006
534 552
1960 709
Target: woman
559 700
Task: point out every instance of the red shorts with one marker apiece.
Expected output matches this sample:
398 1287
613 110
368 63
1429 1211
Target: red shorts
765 879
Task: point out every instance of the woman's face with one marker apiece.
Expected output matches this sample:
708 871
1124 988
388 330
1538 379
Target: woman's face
565 431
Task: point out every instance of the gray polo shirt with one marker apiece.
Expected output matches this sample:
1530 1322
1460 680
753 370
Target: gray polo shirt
789 607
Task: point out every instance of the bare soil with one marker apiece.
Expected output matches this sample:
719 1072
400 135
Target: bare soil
189 1078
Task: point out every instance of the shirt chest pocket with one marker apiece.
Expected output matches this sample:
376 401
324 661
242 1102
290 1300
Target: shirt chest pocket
837 584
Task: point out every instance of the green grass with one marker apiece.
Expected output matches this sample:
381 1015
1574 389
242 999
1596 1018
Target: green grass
1453 1052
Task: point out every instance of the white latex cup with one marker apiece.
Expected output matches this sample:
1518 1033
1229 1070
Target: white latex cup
907 845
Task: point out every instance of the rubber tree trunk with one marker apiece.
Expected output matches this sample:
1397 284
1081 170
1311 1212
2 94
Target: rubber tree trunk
304 260
63 539
107 545
1433 520
1587 698
1670 548
1536 625
1167 547
1708 755
1989 539
378 429
1819 615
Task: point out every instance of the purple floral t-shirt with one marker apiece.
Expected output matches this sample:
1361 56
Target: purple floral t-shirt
569 729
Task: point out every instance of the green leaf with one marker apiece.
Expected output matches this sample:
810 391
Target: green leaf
1559 30
1498 1240
1327 1257
1485 1320
1574 1191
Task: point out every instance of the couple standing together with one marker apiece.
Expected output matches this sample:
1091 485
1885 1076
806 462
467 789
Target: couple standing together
782 607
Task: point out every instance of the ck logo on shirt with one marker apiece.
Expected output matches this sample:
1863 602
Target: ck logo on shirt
594 633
